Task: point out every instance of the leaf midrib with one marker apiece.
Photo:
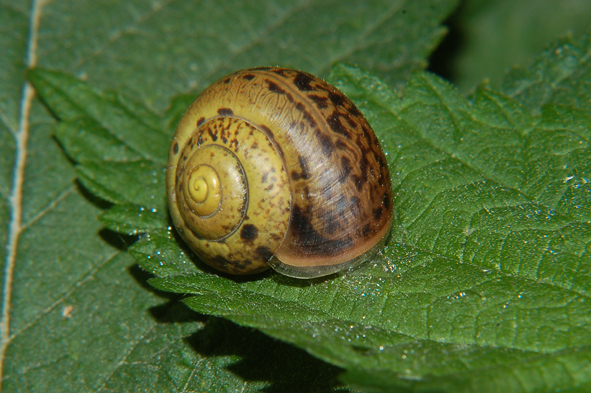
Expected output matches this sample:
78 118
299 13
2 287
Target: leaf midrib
22 134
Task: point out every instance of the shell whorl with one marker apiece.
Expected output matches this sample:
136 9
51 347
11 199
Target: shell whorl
311 191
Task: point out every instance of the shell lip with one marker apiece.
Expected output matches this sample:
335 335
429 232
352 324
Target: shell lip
309 272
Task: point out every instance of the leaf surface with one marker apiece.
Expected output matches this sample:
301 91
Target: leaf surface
487 270
489 37
76 315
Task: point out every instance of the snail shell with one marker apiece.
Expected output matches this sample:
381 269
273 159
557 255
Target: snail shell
272 166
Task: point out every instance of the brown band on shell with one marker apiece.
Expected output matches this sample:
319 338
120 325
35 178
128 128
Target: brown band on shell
341 197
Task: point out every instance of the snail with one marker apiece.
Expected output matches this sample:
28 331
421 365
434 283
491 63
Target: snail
275 167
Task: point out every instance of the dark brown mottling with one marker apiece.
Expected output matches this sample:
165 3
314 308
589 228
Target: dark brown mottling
319 101
225 112
337 98
212 134
302 82
308 234
338 173
334 121
264 253
274 87
249 232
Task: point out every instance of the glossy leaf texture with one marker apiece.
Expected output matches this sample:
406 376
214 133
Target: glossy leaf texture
76 311
484 285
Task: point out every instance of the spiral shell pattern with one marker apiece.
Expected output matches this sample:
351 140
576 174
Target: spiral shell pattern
275 166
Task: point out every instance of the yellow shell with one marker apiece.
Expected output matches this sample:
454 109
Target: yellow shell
275 167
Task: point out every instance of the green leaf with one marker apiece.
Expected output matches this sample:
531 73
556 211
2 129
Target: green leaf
160 252
489 37
487 269
65 94
76 314
85 141
147 188
560 75
119 219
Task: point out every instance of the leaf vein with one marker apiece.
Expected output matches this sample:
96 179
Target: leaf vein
22 135
49 207
77 284
116 35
